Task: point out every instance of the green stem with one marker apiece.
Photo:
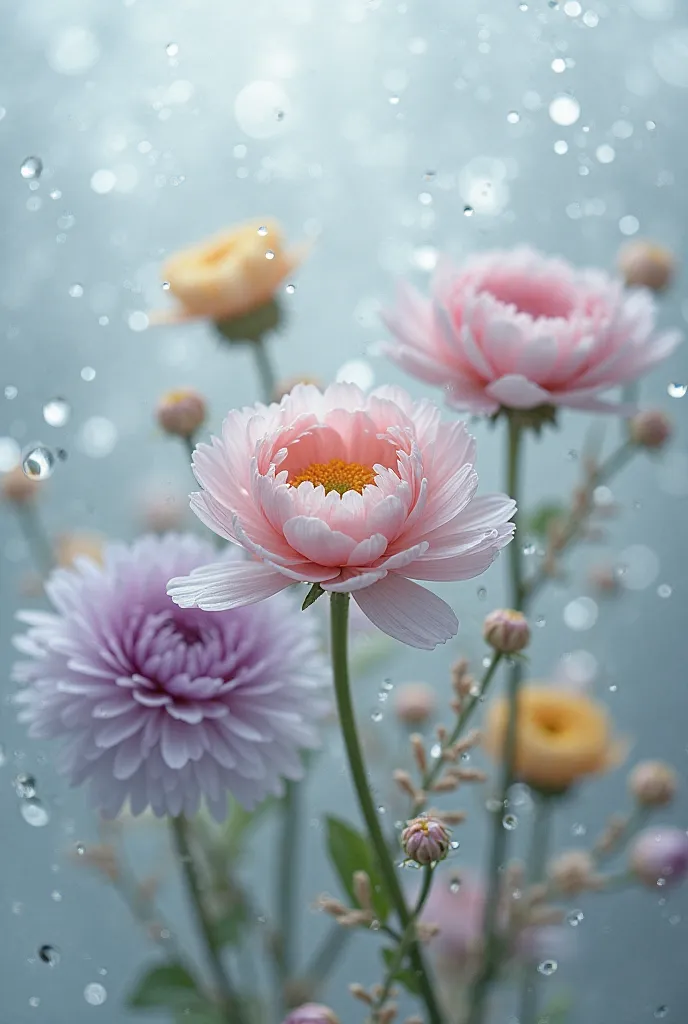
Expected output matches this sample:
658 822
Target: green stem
339 613
500 836
324 960
190 445
406 939
286 881
431 775
36 537
265 369
230 1002
535 872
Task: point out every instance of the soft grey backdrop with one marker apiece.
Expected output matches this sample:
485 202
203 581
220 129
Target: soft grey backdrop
379 124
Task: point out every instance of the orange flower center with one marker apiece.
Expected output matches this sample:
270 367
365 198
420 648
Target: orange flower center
336 475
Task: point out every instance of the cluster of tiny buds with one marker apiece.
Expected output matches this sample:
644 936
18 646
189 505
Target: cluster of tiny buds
574 872
384 1014
352 917
613 832
527 908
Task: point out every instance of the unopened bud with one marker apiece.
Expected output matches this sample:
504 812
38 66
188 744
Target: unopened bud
659 856
426 840
311 1013
650 429
358 992
645 264
18 488
572 872
653 783
362 890
414 703
182 412
507 631
418 748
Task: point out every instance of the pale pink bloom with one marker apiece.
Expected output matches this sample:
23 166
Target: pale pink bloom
359 493
519 330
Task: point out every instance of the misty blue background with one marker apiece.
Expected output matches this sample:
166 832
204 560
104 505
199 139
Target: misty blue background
381 123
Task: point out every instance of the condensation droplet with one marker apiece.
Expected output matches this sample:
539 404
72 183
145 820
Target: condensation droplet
24 786
661 1011
88 373
137 321
548 967
677 390
172 49
49 955
510 822
269 255
56 412
513 117
34 1001
574 918
95 993
290 289
31 168
76 291
564 110
38 462
468 211
376 716
455 885
34 813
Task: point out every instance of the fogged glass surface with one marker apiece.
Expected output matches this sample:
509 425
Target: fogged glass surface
382 133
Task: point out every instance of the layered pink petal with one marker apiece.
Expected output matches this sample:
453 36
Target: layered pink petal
408 612
222 586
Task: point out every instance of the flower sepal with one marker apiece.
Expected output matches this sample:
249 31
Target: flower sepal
529 419
312 596
251 327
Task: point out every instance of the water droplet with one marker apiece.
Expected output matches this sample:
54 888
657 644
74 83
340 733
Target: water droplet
95 994
528 549
34 813
564 110
375 926
482 593
425 199
661 1011
387 685
262 230
605 153
76 291
25 786
455 885
510 822
56 412
376 715
574 918
172 49
677 390
547 967
664 590
581 613
269 255
49 955
56 896
32 168
540 621
513 117
435 750
11 392
88 373
468 211
455 844
34 1001
558 65
381 809
137 321
290 289
80 849
394 100
38 462
578 830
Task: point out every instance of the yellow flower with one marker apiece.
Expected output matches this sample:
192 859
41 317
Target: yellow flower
71 546
561 737
229 275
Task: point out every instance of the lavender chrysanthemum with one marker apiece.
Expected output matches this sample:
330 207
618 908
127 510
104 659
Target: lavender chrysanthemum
161 705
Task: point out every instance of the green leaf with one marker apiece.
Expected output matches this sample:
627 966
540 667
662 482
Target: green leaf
169 985
349 852
559 1007
200 1016
404 975
540 520
312 596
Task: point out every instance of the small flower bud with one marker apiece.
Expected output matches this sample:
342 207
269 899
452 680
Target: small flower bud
653 783
645 264
650 429
659 856
506 631
425 840
572 872
387 1014
181 412
311 1013
17 487
448 817
414 703
418 749
362 890
358 992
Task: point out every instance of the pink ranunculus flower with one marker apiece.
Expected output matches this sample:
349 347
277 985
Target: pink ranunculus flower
519 330
359 493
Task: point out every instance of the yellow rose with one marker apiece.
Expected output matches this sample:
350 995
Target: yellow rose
561 737
229 275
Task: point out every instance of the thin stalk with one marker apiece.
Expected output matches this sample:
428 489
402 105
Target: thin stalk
286 882
535 872
324 960
189 443
265 369
230 1001
406 939
339 613
466 714
500 836
36 537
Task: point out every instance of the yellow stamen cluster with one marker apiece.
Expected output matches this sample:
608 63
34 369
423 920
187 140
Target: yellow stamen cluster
336 475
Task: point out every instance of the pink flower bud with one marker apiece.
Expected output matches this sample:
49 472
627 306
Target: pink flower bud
181 412
17 487
414 703
645 264
506 630
425 840
652 783
659 856
650 429
311 1013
